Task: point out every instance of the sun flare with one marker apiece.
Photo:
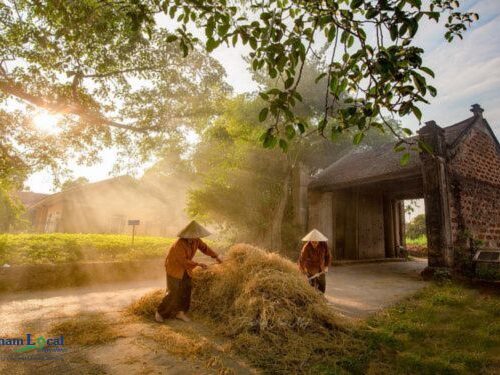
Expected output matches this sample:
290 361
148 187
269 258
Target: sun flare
47 122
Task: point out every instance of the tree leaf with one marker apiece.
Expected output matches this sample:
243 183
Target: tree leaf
290 131
405 158
212 44
263 114
416 111
318 78
358 138
283 145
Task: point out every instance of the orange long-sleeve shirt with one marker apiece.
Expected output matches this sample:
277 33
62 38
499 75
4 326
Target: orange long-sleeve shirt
180 255
313 260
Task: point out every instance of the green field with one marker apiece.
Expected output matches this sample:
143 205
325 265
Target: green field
419 241
70 248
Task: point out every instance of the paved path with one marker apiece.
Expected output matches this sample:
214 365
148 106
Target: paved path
358 290
354 291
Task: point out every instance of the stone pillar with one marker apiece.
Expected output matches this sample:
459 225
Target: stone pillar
389 235
402 226
436 193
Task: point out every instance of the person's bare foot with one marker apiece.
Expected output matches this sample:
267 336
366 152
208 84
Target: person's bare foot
182 316
158 317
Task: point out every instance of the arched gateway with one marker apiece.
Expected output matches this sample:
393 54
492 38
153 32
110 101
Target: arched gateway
357 201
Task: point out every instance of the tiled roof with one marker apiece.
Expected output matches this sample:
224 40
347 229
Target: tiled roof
380 163
29 198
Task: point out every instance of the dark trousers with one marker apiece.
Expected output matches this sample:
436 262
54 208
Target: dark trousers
178 297
319 282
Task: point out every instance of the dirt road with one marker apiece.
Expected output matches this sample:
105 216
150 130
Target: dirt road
354 291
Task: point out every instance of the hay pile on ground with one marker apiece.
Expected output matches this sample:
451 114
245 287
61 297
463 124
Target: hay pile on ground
91 329
264 304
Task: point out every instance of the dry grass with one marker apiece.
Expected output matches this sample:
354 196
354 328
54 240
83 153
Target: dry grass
182 343
146 305
85 330
265 306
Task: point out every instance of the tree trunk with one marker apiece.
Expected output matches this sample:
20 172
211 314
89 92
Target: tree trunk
279 213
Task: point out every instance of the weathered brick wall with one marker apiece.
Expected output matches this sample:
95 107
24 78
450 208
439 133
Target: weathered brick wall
475 190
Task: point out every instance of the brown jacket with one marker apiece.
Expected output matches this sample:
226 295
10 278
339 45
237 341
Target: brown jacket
180 255
312 261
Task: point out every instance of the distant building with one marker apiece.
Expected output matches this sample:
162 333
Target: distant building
105 207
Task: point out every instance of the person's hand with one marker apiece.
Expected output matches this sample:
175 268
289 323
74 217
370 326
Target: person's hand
326 269
202 265
218 259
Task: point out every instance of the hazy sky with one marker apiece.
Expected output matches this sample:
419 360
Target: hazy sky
467 72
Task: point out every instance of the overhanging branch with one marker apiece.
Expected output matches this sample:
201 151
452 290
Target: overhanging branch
63 107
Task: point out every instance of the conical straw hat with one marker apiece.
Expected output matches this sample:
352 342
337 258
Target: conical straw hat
193 230
315 235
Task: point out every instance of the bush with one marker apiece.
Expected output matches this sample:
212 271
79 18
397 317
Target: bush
71 248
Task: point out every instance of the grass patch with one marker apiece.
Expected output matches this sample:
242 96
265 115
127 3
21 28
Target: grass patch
445 329
85 330
418 241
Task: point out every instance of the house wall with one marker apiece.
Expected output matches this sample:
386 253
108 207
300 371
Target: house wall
107 208
108 211
53 218
474 172
370 226
352 220
321 214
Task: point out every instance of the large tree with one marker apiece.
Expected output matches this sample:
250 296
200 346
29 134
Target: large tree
246 188
119 75
83 58
371 54
108 70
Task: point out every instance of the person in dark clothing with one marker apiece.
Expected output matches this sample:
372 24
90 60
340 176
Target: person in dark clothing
179 265
315 258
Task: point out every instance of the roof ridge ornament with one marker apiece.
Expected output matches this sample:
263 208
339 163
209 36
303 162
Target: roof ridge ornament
477 110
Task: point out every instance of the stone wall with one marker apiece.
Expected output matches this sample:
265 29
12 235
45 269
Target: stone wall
474 172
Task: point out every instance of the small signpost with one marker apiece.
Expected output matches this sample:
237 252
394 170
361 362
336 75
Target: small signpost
133 223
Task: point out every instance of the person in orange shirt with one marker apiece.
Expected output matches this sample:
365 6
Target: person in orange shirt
179 266
315 258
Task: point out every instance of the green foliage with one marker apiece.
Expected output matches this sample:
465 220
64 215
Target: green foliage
420 240
246 188
11 210
387 74
416 228
68 248
12 174
111 74
240 181
118 77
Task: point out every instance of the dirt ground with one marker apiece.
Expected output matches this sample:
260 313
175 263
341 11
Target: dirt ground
358 290
354 291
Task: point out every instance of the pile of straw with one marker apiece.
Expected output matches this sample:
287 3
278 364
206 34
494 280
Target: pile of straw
265 306
262 301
